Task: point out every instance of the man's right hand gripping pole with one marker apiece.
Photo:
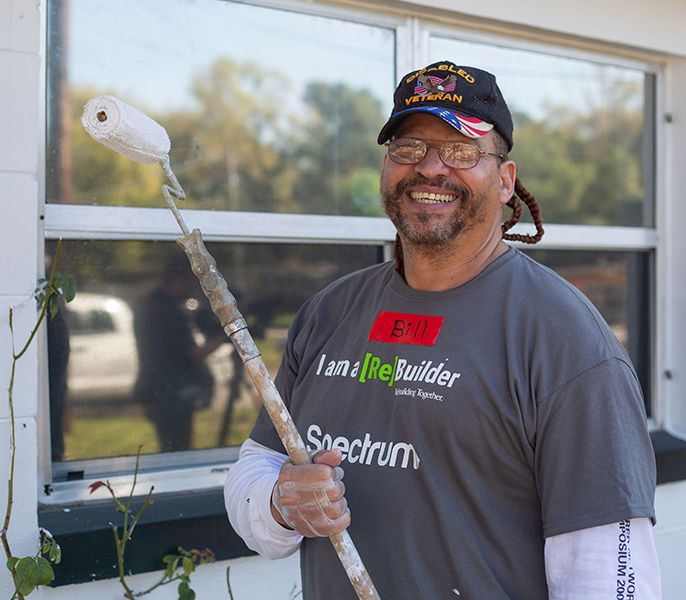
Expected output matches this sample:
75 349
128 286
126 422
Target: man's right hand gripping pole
310 498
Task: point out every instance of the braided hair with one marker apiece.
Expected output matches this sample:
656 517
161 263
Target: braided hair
521 194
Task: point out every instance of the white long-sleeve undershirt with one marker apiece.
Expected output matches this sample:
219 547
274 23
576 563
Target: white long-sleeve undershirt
247 496
614 561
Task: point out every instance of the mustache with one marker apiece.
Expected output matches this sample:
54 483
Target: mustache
438 182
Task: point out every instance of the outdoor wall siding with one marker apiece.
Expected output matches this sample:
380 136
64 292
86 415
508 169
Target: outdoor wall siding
674 242
654 26
19 149
19 218
670 536
25 378
253 578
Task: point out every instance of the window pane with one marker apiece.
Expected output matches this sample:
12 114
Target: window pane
618 284
267 110
584 138
138 358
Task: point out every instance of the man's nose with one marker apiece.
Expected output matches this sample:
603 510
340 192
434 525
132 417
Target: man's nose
431 165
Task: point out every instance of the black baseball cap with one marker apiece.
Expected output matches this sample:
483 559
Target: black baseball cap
467 98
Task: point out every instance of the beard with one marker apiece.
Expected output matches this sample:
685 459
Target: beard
424 229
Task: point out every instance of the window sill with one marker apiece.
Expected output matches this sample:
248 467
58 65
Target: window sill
197 519
190 519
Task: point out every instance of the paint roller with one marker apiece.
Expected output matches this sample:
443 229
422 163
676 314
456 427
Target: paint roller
133 134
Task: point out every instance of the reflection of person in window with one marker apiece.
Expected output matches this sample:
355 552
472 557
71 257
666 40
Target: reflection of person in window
173 379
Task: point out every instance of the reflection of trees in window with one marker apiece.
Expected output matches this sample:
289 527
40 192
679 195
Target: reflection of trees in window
228 148
238 148
336 150
584 166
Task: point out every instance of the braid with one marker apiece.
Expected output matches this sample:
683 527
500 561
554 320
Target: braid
515 204
521 193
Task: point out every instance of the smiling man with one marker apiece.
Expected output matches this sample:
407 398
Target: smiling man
449 227
491 426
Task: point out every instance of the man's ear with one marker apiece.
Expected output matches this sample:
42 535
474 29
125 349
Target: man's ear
508 176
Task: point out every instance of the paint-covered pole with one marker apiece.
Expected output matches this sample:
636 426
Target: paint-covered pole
224 306
135 135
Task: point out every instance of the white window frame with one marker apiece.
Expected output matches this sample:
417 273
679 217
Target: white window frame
413 33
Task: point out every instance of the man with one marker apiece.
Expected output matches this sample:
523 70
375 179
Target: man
491 426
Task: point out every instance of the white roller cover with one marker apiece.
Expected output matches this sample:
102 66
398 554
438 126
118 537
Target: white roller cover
125 129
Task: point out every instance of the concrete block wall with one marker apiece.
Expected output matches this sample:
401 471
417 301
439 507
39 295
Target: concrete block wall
19 147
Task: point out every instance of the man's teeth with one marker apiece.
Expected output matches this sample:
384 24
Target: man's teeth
431 198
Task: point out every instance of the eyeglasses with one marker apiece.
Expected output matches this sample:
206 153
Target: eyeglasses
457 155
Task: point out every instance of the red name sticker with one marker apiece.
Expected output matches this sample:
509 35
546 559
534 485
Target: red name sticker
405 328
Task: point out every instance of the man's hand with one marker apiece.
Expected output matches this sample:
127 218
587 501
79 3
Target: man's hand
309 498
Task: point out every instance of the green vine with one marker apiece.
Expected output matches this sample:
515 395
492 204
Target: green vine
29 572
178 567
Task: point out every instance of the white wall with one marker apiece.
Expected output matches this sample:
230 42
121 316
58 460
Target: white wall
252 578
674 240
19 82
670 536
656 26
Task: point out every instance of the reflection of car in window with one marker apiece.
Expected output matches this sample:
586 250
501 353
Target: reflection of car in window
94 321
103 362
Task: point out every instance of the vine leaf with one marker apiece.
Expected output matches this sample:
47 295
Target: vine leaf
185 591
54 306
188 565
32 571
50 547
66 286
96 485
172 562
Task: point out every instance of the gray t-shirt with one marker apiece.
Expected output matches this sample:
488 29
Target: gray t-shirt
474 422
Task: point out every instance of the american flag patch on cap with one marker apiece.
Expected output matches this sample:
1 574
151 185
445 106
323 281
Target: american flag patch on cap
469 126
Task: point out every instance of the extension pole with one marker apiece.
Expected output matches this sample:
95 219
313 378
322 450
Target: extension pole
223 305
133 134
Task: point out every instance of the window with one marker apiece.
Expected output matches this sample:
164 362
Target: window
584 131
144 361
268 110
273 116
